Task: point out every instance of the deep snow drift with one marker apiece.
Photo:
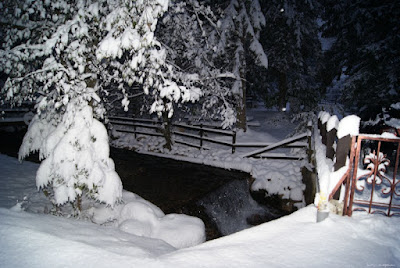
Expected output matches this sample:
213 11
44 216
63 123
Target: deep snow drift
31 239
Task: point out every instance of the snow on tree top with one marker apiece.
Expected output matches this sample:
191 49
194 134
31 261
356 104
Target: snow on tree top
350 125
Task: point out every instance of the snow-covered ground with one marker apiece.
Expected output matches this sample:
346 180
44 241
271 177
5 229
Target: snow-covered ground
34 239
138 234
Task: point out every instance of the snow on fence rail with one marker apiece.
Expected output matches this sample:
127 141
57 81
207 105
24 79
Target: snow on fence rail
199 132
355 169
15 115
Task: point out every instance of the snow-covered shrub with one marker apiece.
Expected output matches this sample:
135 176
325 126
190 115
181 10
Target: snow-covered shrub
76 154
64 55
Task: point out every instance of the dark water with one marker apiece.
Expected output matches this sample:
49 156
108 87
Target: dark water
174 186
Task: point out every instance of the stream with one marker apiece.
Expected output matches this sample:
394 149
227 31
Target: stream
221 198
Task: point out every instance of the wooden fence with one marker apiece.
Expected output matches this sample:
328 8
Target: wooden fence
200 132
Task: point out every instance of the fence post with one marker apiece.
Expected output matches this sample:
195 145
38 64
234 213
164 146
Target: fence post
309 140
323 119
331 127
348 127
233 141
201 136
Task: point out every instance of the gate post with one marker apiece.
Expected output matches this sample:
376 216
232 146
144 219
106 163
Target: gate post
348 128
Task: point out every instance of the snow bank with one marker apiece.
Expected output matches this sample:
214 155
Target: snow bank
142 218
32 240
135 215
38 240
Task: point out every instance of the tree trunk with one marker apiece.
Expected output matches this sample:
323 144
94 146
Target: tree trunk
282 90
241 121
167 130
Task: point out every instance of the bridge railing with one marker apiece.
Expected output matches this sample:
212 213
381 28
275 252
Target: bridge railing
201 133
197 132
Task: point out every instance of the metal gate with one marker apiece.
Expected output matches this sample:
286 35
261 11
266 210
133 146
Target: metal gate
373 183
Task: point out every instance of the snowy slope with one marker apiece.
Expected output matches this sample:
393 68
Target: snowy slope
38 240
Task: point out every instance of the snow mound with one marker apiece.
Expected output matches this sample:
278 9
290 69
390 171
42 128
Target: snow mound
139 217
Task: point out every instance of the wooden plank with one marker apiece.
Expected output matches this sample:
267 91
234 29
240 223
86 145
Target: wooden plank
265 144
217 141
276 145
218 131
187 126
205 129
279 156
193 136
187 144
133 119
16 110
135 124
140 132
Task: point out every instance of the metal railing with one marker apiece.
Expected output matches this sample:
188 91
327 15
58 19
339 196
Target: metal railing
371 179
373 183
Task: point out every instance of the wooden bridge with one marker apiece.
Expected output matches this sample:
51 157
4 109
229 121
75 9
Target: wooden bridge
199 135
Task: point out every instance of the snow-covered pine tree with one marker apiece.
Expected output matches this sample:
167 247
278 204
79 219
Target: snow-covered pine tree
148 67
186 33
293 51
238 46
86 45
365 53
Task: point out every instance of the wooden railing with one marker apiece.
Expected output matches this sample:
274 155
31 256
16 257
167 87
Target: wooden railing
200 132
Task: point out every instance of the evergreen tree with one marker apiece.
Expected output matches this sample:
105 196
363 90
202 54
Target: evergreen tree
238 47
65 54
293 48
365 52
186 31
